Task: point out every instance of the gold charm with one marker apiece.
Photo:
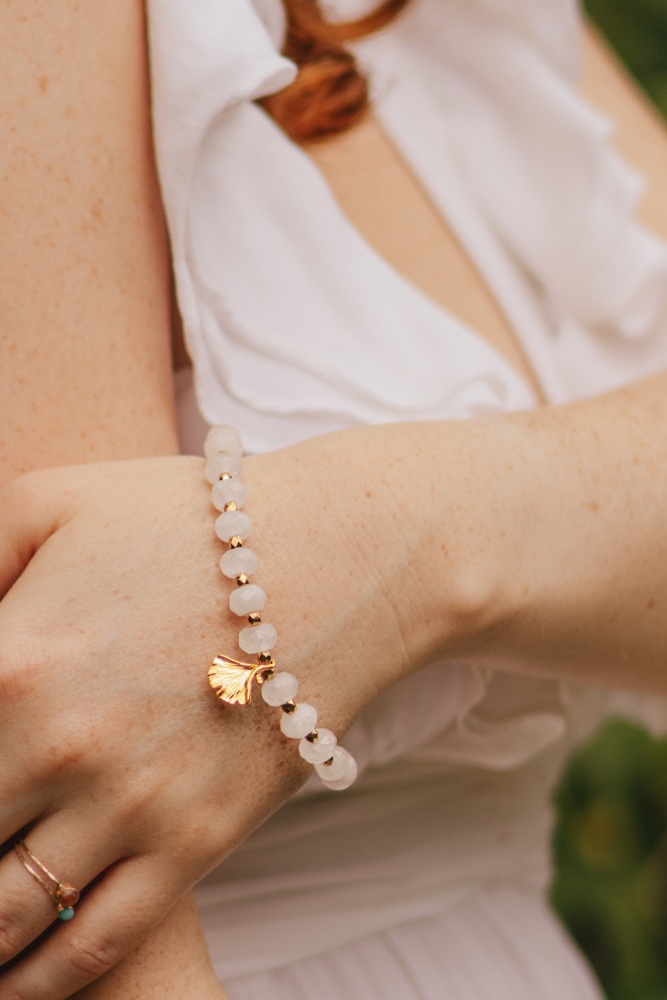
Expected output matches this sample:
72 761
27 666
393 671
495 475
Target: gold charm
232 680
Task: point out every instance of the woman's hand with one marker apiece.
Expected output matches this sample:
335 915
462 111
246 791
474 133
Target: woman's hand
115 755
128 775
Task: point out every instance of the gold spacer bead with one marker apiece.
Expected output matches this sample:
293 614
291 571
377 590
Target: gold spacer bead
254 619
242 579
264 675
235 542
226 475
231 506
288 707
312 737
265 658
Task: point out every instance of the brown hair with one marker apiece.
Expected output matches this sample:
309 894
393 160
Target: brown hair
329 94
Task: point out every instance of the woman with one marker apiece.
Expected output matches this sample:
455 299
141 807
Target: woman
448 577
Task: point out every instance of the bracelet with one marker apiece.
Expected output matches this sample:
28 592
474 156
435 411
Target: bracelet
231 679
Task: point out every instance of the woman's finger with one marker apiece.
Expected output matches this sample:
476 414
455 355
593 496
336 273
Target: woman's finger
172 963
19 805
74 848
115 916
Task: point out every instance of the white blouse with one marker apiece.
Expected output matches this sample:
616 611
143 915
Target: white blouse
296 326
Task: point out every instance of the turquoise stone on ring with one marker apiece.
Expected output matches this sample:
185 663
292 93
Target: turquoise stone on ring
66 913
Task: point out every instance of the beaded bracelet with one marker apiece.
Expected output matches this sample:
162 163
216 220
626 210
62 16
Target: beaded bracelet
232 679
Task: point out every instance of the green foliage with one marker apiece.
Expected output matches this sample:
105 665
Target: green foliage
638 31
610 850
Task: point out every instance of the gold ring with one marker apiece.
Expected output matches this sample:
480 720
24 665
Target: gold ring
64 895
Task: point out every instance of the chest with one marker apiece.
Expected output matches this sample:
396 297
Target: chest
385 202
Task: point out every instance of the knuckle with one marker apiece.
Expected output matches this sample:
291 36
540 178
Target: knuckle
135 804
23 666
92 955
11 937
63 753
18 672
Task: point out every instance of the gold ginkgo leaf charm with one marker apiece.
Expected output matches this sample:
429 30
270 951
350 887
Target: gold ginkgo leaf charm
232 680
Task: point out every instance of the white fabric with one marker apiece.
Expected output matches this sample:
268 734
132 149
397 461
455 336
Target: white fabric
503 941
296 327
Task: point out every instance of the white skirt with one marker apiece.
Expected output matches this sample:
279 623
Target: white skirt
500 944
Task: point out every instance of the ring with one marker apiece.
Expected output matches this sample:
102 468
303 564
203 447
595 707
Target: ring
64 895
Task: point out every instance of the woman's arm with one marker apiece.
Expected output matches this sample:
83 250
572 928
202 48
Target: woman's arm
84 266
84 278
576 584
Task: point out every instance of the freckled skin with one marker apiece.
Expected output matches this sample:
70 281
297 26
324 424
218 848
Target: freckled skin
93 253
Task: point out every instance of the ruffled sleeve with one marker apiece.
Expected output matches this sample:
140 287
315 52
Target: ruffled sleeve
206 57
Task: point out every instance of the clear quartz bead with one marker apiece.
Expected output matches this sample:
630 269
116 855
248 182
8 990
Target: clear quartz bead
223 438
228 491
300 722
258 638
219 464
232 522
319 751
246 599
340 784
338 766
280 688
234 562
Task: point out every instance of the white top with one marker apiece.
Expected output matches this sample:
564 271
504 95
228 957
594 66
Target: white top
296 327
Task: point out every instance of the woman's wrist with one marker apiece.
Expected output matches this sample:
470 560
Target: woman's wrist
580 541
394 535
463 578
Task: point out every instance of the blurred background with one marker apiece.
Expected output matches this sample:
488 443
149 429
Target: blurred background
610 842
610 849
637 29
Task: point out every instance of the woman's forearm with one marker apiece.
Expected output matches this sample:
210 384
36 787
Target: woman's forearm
534 542
553 539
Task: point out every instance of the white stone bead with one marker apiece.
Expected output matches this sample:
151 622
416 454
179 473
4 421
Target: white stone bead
228 491
337 768
232 522
237 561
258 638
339 784
246 599
321 750
217 464
300 722
280 688
223 438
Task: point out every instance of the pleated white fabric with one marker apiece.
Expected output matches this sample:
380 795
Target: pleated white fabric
427 878
500 943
